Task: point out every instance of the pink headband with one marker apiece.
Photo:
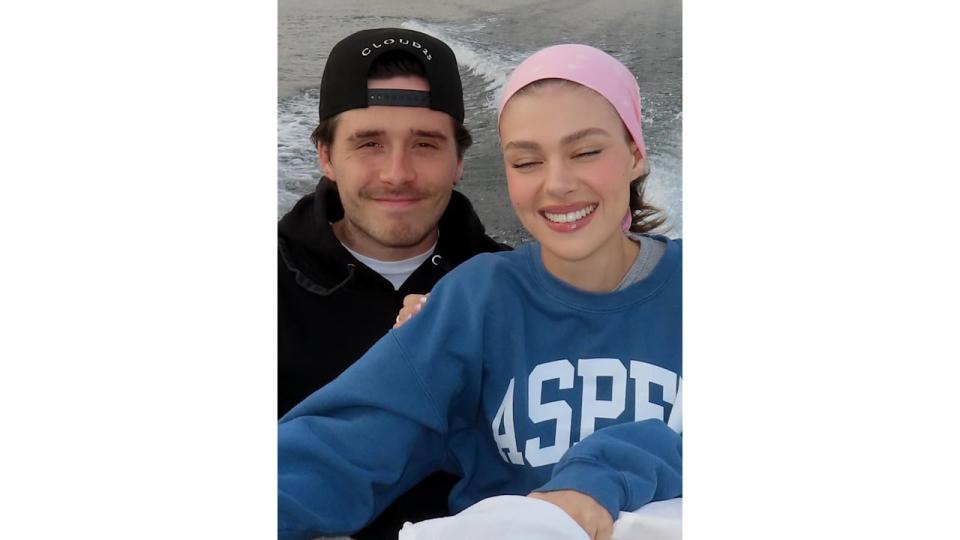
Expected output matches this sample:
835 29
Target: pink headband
590 67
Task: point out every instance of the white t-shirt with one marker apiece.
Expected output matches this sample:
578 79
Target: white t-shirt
396 272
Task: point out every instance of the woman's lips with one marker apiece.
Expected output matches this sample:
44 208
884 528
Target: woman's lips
569 217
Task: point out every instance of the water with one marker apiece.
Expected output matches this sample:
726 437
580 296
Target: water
489 40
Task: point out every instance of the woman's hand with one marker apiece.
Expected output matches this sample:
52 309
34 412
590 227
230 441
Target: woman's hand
411 306
584 509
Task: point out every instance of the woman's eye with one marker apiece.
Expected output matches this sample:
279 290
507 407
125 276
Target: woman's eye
587 153
525 164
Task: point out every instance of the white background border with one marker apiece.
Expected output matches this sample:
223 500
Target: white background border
138 381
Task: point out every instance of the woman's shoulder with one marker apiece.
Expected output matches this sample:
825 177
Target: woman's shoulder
673 247
489 269
496 262
660 237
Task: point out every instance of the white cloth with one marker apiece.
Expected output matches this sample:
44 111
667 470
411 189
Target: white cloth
512 517
396 272
661 520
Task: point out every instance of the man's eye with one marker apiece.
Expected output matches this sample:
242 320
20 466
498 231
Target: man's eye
426 145
369 144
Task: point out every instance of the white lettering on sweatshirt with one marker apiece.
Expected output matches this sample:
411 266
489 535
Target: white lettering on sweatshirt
591 406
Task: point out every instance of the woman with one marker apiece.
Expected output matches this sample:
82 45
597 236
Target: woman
519 356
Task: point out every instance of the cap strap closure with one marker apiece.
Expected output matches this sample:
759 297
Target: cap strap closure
398 98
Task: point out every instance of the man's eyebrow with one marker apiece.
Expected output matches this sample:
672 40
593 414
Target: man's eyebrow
432 134
365 134
373 133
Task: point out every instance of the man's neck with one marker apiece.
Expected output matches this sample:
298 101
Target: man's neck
362 243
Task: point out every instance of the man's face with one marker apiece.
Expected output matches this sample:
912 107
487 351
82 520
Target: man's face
395 168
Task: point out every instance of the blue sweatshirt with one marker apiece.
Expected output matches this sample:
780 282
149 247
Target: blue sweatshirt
509 378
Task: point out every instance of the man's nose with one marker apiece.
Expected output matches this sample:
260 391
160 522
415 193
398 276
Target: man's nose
398 168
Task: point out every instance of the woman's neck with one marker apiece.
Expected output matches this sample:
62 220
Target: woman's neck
601 271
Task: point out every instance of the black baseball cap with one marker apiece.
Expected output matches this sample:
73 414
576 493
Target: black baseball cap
344 83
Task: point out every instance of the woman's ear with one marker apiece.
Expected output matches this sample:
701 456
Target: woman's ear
639 165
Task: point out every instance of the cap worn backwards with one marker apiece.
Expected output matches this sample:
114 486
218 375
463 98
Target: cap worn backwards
344 84
590 67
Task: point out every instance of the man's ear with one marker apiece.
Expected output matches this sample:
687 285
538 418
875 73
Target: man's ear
323 157
456 179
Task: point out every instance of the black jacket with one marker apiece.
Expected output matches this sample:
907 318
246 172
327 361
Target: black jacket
332 308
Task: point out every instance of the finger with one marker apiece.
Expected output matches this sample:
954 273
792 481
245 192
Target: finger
414 300
604 532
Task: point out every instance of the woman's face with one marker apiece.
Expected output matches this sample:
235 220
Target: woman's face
569 164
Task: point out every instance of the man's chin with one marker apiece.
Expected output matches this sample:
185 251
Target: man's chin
403 243
402 239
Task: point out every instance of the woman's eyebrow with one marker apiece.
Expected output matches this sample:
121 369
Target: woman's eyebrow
567 139
521 145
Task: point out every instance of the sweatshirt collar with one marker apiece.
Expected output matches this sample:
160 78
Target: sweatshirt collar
641 291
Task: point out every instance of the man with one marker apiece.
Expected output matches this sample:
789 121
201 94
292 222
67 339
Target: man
383 222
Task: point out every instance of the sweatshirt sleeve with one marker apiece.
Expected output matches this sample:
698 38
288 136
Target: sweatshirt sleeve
624 466
355 445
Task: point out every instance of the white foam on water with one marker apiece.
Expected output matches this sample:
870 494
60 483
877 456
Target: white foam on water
296 157
489 65
664 189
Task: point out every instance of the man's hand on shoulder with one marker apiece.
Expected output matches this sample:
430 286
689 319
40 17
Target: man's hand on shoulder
412 303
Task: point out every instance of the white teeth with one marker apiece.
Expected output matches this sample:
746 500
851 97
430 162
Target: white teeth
571 216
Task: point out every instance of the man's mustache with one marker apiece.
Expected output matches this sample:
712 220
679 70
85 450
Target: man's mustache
394 193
